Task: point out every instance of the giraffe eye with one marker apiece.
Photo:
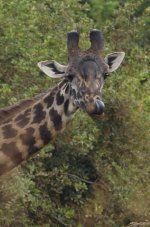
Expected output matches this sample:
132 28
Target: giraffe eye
70 77
106 75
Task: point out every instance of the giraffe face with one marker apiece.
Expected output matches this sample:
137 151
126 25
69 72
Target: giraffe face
86 71
87 83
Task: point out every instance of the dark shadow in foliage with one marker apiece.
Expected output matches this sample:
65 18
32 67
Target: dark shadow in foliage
86 167
86 164
81 169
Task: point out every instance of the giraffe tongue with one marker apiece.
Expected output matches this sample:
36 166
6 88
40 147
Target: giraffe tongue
100 107
96 108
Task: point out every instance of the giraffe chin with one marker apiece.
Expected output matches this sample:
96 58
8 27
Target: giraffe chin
96 109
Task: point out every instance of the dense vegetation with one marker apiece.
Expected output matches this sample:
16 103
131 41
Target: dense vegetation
97 172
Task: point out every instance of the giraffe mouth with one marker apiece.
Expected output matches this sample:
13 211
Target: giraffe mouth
100 107
96 108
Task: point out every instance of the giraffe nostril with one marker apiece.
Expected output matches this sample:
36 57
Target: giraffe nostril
86 97
97 97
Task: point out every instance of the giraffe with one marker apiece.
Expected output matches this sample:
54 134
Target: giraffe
29 125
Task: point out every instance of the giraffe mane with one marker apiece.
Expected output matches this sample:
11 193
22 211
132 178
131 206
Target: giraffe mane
9 112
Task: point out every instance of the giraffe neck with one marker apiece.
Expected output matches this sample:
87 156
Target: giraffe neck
36 125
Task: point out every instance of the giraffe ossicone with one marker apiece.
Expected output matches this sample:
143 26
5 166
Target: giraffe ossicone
26 127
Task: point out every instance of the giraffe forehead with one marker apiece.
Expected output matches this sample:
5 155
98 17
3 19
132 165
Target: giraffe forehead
88 66
87 61
92 68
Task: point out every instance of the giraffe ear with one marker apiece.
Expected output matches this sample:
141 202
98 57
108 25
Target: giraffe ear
52 69
114 60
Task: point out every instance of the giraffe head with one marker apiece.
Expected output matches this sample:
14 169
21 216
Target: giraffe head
86 71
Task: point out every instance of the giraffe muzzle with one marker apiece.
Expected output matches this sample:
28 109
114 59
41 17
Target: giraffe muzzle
96 108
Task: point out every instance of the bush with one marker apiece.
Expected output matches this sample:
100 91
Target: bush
97 172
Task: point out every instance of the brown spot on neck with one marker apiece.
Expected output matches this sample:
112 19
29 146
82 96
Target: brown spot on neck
39 114
23 119
59 98
49 100
28 139
56 119
45 134
66 105
12 152
9 131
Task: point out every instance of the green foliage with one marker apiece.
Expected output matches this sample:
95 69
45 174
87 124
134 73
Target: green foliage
32 31
97 172
102 11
